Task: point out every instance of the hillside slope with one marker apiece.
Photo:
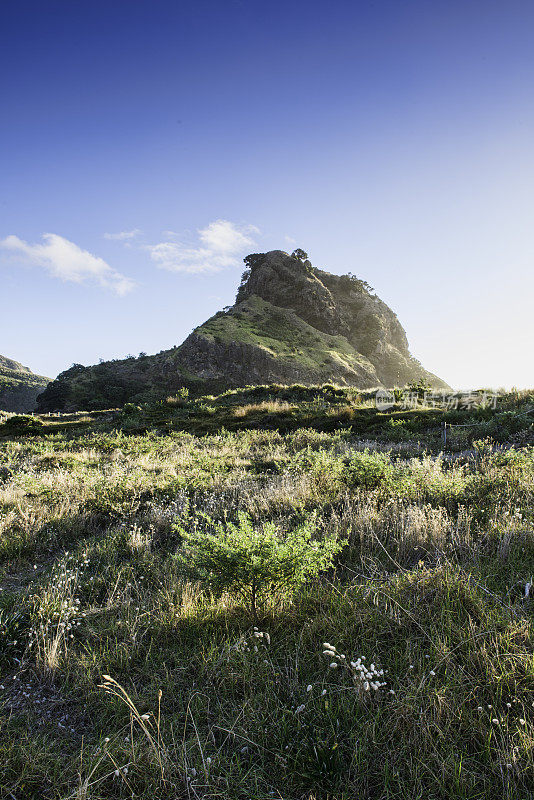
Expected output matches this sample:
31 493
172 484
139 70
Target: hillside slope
19 386
291 323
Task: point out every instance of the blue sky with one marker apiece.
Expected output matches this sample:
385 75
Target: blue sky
146 146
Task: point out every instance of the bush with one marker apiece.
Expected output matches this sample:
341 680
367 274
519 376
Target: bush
130 408
255 562
21 424
368 470
180 399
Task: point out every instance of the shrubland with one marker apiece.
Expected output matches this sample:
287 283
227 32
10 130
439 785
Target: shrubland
388 650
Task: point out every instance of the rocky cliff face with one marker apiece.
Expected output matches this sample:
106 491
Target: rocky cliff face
291 323
19 387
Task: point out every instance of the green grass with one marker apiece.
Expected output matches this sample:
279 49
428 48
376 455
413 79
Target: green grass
282 334
430 588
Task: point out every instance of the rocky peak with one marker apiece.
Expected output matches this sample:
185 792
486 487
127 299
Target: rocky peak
289 282
340 305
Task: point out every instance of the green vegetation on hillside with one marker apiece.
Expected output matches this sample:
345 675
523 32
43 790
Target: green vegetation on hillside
283 335
19 387
404 670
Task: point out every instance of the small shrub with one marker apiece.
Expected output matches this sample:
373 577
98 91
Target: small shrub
419 387
21 424
130 408
255 562
180 399
368 470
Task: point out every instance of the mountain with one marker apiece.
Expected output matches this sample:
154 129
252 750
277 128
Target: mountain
291 323
19 386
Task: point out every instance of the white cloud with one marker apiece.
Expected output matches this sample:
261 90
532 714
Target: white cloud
123 236
65 260
223 237
220 244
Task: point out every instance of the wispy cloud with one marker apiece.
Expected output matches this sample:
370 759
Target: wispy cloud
123 236
65 260
219 245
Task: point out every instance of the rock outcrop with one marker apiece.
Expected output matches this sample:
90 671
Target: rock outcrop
291 323
19 386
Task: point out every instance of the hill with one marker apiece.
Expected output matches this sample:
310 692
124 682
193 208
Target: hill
19 386
291 323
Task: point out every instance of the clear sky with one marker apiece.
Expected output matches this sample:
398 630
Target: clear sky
147 145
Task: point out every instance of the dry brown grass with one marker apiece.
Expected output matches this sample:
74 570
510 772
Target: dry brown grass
265 407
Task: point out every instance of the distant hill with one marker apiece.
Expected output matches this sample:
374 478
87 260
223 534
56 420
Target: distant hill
291 323
19 386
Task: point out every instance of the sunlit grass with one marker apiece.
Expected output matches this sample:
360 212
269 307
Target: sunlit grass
430 596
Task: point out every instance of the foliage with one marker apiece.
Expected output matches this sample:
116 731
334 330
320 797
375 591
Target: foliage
255 562
20 425
419 387
368 470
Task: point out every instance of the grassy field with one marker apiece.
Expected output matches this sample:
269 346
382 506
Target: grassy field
123 677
